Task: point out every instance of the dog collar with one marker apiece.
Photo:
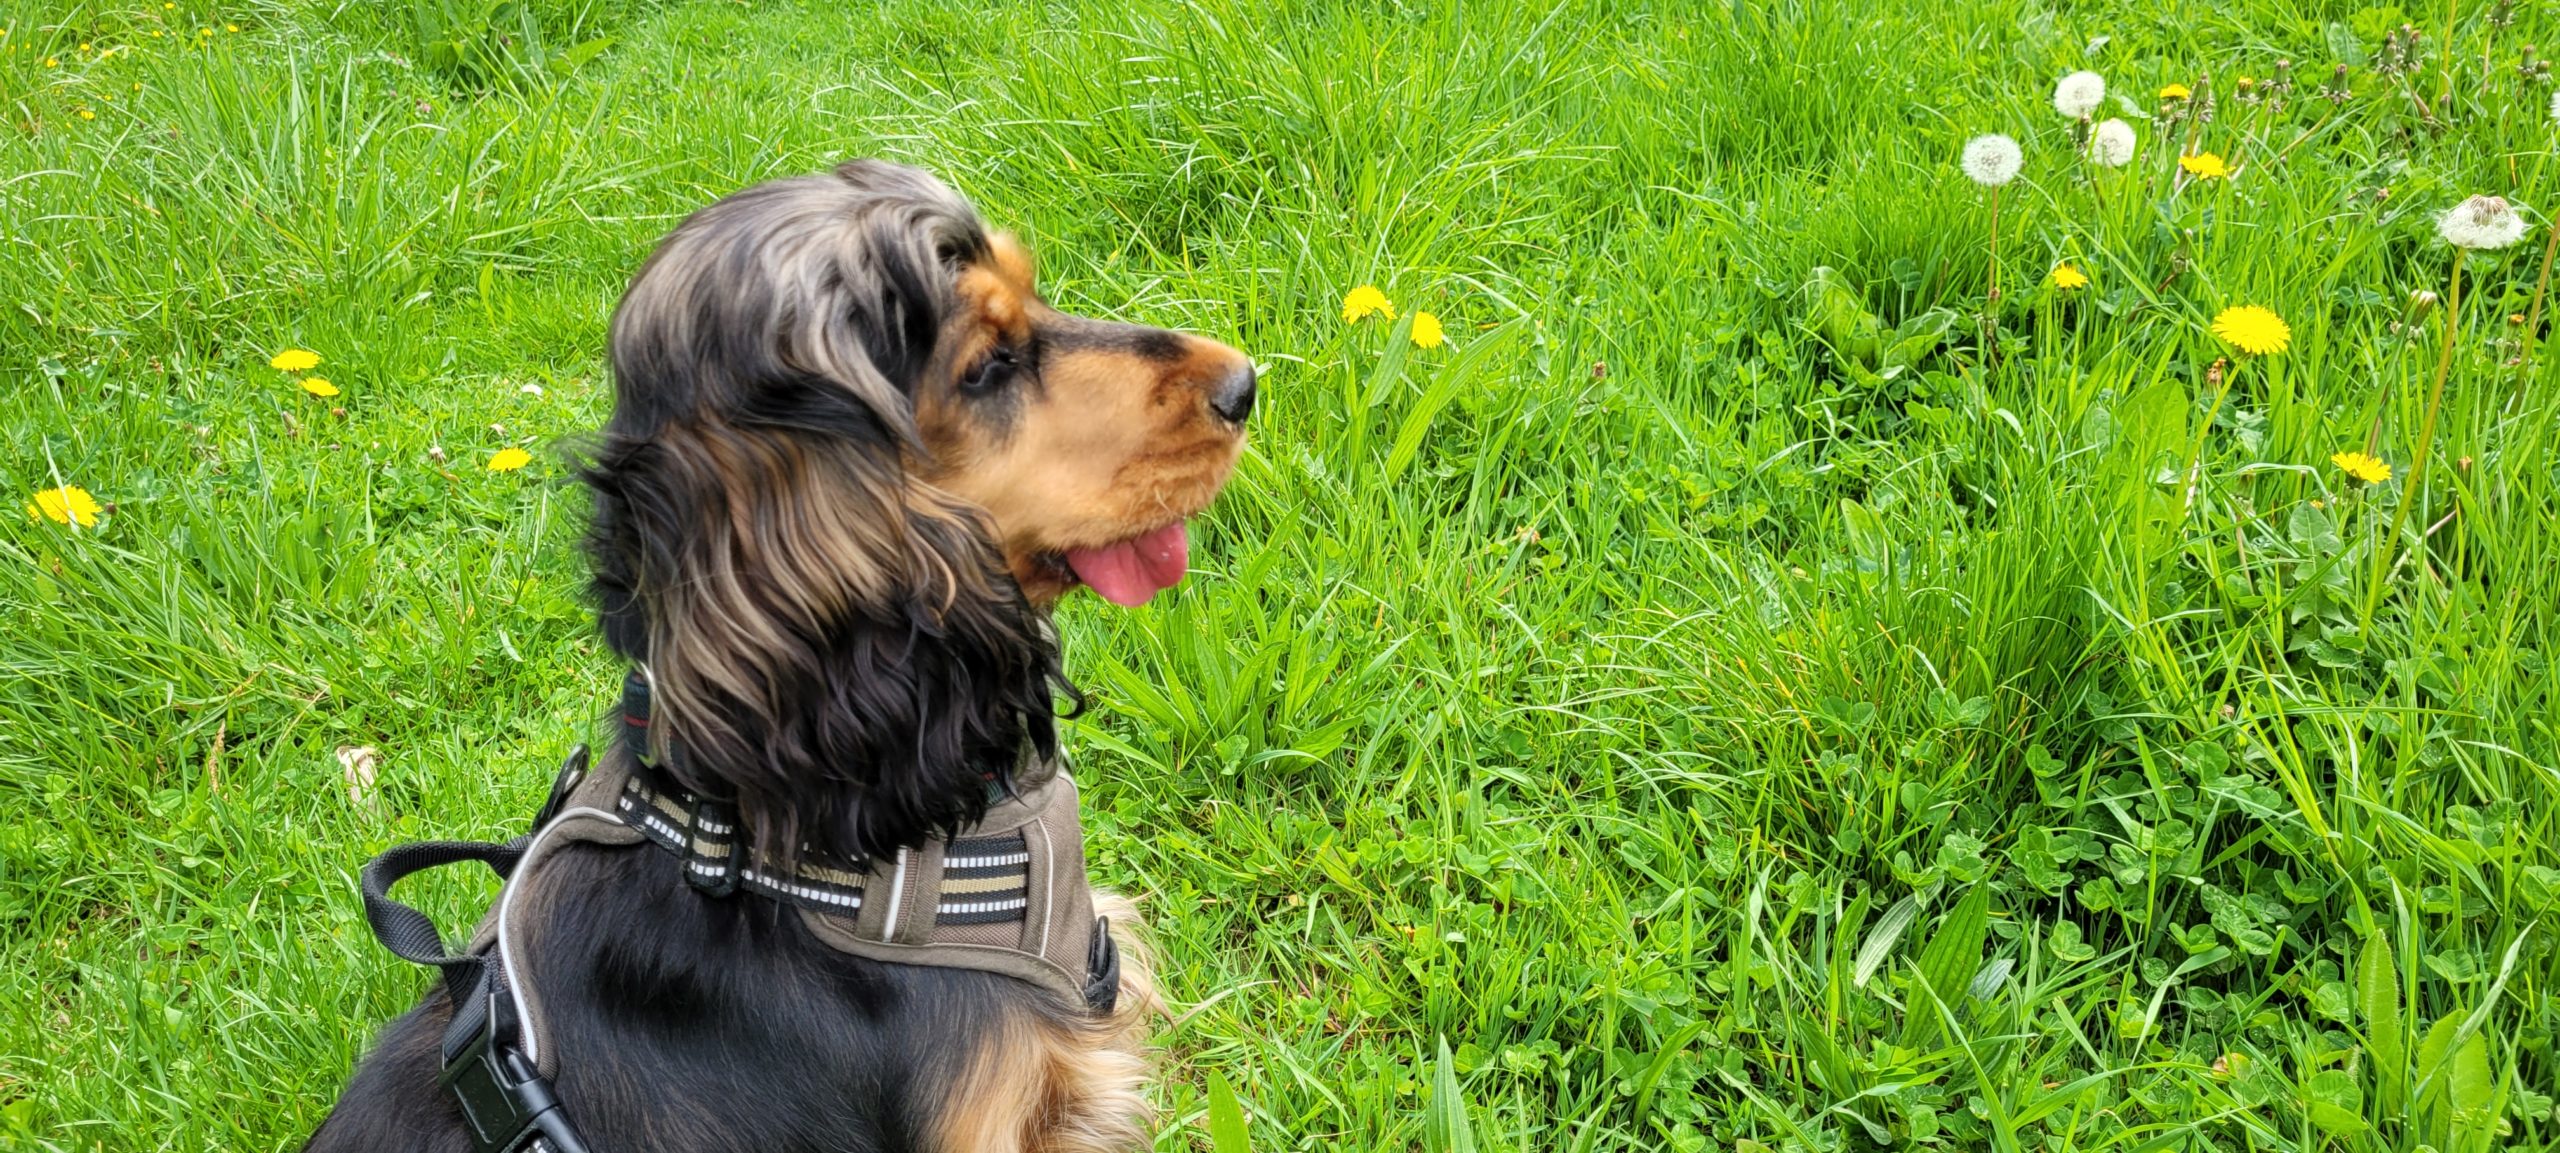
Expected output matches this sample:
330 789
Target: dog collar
1006 895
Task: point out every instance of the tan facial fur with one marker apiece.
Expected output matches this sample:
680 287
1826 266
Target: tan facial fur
1104 432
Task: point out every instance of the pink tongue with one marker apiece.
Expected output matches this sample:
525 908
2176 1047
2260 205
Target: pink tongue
1132 572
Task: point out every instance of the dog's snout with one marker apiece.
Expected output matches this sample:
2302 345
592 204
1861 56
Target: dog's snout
1232 398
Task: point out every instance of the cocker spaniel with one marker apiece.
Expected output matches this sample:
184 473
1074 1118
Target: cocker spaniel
854 460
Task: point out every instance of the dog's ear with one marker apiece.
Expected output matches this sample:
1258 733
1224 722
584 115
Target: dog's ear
833 645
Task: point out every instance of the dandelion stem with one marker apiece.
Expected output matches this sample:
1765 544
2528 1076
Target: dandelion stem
2533 315
2195 458
2446 46
1991 301
2412 490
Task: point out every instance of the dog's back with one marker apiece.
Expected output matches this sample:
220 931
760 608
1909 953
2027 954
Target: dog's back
682 1022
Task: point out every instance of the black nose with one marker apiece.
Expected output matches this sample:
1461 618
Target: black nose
1232 398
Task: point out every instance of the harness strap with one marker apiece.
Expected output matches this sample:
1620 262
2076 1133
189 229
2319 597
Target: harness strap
507 1105
407 932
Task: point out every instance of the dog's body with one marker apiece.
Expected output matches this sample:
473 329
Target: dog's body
853 461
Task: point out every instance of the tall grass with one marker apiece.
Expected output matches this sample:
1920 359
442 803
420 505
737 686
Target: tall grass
1655 719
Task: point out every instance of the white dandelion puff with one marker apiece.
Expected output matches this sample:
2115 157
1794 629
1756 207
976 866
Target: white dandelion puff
2111 143
1992 160
2482 222
2079 94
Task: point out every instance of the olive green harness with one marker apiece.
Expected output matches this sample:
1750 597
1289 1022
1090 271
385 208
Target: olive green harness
1007 895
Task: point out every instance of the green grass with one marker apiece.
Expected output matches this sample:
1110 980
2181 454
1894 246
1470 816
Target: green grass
1739 746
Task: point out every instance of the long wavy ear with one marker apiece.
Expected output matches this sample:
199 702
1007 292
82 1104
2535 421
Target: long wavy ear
833 645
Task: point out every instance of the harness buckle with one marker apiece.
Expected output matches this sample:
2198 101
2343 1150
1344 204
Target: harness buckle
505 1103
573 772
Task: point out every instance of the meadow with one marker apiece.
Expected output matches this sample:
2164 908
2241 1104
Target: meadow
1745 687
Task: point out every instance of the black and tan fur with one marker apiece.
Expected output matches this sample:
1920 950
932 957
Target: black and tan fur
849 450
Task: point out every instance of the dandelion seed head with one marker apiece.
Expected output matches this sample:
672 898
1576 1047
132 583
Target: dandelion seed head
2079 94
1992 160
2111 143
2482 222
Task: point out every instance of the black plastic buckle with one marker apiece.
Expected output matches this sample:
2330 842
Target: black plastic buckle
573 771
506 1104
1102 970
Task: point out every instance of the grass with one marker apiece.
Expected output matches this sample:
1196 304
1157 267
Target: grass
1712 703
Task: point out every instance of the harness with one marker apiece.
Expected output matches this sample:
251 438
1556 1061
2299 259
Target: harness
1007 895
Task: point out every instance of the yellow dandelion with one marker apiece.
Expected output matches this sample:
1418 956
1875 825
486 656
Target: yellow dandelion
85 114
70 504
318 387
2365 468
509 460
2205 166
2066 277
1364 300
1426 331
235 28
52 62
295 360
84 45
2253 330
2174 92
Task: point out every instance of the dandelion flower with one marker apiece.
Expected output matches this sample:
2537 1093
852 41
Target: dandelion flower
70 504
2066 277
295 360
1364 300
509 460
2205 166
2362 467
85 114
2111 143
1426 331
2482 222
230 27
2079 94
2175 92
2253 330
318 387
1992 160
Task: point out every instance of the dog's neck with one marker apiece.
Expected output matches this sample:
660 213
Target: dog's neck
657 753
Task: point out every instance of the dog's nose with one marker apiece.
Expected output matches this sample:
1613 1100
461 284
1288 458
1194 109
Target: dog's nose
1232 398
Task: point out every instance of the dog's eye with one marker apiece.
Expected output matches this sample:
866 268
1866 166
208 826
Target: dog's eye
991 373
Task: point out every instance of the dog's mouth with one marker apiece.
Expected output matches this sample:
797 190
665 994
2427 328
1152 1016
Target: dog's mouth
1127 572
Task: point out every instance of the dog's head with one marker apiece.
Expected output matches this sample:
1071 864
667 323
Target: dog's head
853 459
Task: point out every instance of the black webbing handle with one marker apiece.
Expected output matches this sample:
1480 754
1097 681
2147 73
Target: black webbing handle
407 932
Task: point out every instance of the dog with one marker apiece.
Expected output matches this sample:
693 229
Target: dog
853 463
